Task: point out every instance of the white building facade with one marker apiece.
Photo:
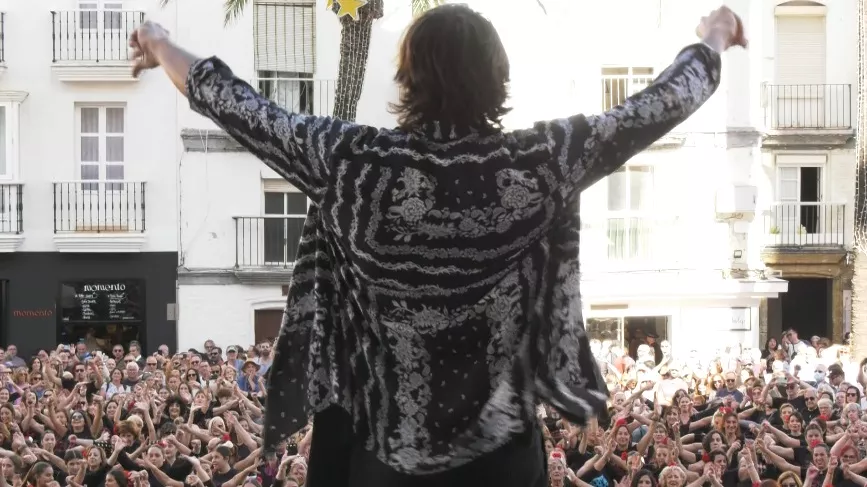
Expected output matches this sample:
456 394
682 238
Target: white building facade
88 158
696 240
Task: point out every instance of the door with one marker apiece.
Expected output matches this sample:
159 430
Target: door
95 204
800 212
630 227
266 324
103 30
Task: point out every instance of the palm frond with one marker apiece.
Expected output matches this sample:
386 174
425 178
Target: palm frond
234 9
421 6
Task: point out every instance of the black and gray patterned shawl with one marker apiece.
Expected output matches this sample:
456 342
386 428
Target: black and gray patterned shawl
435 294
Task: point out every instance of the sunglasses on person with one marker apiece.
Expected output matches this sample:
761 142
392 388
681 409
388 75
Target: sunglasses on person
151 364
788 484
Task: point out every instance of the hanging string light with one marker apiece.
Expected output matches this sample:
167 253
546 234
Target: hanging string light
354 50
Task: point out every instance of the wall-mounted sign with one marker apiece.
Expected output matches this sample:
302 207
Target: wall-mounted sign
91 301
728 319
33 313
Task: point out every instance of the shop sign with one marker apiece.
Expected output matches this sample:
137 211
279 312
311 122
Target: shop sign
33 313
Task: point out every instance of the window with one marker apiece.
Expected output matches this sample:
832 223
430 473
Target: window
619 83
292 91
285 212
93 11
284 36
800 209
630 197
284 45
101 147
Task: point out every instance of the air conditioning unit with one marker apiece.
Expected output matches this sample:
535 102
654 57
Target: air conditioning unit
736 202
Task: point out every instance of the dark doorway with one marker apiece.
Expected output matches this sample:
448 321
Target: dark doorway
266 324
636 329
806 307
811 185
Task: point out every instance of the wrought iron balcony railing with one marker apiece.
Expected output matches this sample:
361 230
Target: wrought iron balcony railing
626 242
617 88
99 207
93 36
809 107
267 241
11 208
806 225
300 95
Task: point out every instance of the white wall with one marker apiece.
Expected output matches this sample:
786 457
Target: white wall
229 323
47 124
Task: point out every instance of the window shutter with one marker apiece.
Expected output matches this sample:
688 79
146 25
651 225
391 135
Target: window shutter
789 183
801 49
278 186
284 36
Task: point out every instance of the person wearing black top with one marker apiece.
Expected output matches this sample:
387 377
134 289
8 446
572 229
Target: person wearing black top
457 227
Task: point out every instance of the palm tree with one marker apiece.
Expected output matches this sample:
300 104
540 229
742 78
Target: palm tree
859 280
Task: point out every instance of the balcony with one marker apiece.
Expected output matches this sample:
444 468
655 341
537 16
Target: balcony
808 107
266 246
99 216
802 226
11 216
92 45
300 95
618 84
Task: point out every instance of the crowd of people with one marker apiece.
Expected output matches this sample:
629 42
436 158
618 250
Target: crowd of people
78 417
787 415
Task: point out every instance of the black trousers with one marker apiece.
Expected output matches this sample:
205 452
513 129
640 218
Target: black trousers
336 460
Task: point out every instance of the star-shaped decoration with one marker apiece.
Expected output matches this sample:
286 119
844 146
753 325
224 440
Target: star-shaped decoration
329 4
350 8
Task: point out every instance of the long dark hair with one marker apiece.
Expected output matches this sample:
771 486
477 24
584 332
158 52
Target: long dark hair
641 474
452 69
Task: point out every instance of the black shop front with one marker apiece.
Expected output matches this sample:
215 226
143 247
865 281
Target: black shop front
48 299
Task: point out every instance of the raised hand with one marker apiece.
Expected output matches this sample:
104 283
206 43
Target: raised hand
724 26
143 41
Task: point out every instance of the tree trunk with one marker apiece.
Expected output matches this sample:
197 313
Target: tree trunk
859 280
354 50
